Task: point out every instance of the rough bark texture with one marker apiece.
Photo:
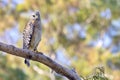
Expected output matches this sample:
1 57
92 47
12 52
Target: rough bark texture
40 57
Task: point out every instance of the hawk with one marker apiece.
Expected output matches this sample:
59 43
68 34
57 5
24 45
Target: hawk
32 34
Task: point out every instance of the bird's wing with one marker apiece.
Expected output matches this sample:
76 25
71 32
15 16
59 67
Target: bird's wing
27 34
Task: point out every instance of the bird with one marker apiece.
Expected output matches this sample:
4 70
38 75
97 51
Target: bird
32 34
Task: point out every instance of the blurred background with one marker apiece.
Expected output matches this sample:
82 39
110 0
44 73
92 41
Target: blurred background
79 34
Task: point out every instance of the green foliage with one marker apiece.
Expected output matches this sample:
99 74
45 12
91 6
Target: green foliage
9 73
97 74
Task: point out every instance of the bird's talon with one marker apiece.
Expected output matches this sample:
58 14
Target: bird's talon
36 51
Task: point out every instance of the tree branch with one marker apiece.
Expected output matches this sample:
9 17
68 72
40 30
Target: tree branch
40 57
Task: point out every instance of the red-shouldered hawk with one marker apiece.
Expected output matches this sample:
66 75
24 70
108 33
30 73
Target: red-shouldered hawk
32 33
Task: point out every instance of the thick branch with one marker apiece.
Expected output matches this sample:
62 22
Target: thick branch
39 57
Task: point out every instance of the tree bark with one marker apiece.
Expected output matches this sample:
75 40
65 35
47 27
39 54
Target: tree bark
40 57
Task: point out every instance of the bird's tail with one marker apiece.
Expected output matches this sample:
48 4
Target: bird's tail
27 62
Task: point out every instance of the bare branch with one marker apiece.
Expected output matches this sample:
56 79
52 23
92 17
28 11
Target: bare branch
40 57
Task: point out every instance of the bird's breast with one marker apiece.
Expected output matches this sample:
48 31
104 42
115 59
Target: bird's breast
36 37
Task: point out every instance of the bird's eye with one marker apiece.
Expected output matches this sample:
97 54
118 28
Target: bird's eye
33 15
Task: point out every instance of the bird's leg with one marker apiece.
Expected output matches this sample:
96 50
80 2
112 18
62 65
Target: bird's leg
35 50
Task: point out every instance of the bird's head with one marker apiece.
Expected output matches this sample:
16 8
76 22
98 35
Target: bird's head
36 15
